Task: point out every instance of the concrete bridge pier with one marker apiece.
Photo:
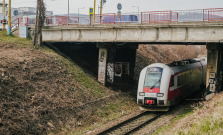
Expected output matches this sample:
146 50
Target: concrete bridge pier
116 64
214 69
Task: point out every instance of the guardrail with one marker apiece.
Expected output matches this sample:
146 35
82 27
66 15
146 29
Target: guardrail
213 14
19 21
159 17
195 15
62 20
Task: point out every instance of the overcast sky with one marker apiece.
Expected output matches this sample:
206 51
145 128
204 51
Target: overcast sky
60 6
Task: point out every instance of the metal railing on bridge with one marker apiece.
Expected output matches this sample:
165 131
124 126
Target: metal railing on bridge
62 20
195 15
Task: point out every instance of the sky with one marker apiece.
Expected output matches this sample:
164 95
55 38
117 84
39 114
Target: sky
61 6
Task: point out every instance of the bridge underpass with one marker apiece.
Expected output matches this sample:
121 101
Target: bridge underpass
111 38
92 57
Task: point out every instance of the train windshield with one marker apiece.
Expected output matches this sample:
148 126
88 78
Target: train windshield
153 77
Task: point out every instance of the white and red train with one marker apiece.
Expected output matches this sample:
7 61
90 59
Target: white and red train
161 86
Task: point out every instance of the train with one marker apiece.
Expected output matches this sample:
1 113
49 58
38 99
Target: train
121 19
161 85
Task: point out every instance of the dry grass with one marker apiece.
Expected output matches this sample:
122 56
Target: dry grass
42 92
207 120
204 120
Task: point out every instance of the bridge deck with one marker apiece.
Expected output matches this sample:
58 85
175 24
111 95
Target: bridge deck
192 32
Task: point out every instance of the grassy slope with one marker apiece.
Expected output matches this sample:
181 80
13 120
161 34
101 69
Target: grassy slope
207 119
85 80
72 102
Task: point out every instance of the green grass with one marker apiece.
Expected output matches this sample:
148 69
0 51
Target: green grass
87 81
163 129
109 112
185 113
208 126
4 38
205 121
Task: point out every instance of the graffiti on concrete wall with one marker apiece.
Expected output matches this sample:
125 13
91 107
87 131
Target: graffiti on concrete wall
110 72
102 65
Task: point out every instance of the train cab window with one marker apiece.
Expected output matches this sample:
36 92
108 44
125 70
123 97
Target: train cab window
153 77
172 81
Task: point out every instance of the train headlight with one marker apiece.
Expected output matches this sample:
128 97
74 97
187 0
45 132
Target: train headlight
141 94
160 94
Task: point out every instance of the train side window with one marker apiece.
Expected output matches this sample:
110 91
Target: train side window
172 81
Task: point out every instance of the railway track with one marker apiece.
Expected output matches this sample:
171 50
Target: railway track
132 125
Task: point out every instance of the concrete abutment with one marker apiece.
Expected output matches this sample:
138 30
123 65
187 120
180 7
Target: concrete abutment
116 64
214 69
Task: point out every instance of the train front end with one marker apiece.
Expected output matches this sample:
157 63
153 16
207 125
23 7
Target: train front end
154 82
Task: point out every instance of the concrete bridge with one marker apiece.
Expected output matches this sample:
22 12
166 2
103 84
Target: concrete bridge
193 32
117 42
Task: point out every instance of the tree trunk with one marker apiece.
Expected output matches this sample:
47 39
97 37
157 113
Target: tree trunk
40 19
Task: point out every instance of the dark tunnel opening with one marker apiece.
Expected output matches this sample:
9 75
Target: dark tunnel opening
84 55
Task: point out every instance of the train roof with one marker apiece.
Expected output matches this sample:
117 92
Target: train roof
183 65
188 64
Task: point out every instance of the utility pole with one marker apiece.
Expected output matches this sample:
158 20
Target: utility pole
68 13
100 8
68 8
3 14
94 11
9 18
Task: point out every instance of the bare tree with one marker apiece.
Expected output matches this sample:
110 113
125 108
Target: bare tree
40 18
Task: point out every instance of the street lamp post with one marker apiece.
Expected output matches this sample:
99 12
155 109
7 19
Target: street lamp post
138 11
68 8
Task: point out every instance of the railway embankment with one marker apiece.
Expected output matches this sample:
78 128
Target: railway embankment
204 118
41 92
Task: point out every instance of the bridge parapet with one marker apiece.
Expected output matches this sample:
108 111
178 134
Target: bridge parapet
193 32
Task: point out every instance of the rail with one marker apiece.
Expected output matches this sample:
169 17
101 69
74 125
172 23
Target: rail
132 125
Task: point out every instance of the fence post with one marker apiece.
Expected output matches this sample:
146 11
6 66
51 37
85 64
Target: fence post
177 17
18 22
90 19
78 21
141 17
203 15
18 27
68 20
114 18
208 16
27 21
149 18
170 16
